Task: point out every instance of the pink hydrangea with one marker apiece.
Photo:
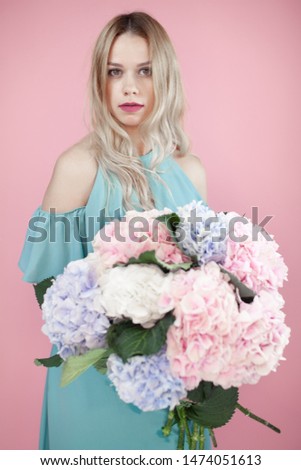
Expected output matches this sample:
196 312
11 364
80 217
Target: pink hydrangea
136 233
216 337
257 262
259 347
199 343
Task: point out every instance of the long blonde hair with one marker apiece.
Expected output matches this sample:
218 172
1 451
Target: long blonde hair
161 131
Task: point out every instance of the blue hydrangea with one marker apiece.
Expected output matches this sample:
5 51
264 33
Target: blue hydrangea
71 321
202 232
146 381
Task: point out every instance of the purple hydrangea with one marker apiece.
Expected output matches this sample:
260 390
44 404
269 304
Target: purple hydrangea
146 381
71 321
202 232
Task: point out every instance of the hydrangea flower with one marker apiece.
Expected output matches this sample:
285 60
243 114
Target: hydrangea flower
257 262
136 233
200 341
135 292
259 347
146 381
218 338
71 321
202 233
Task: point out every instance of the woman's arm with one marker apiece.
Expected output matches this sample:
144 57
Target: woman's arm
72 179
193 168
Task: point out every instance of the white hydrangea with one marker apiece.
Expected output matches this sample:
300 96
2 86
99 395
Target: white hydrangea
138 292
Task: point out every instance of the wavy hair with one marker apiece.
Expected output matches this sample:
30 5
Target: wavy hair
162 130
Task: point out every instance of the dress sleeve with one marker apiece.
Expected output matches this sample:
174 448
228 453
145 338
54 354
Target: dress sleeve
52 241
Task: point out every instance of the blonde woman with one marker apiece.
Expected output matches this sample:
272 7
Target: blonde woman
136 156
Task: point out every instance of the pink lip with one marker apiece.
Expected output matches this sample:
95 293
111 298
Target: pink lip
131 107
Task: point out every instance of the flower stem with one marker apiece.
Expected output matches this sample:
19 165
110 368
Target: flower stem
247 412
181 438
183 419
212 436
202 438
195 436
168 425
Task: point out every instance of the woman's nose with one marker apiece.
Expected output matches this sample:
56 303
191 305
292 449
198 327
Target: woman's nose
130 85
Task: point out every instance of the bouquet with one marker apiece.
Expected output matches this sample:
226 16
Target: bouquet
179 309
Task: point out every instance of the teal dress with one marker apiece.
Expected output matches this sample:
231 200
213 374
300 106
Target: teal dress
88 414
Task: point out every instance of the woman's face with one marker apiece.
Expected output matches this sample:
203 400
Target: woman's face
129 92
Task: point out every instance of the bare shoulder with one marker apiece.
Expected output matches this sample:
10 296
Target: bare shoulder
72 178
195 170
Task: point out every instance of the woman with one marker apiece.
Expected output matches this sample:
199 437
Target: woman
136 156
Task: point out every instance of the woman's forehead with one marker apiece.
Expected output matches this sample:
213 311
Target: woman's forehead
130 48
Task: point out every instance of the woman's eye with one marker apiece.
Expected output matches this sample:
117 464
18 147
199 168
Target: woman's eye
146 71
114 72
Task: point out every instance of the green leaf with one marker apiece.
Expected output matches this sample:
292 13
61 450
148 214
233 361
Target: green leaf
246 294
149 257
41 288
76 365
53 361
101 365
127 339
216 406
201 393
171 221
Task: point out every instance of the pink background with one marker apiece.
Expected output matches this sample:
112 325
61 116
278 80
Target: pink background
241 68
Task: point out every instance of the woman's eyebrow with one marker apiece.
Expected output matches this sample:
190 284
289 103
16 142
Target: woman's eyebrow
144 63
115 64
